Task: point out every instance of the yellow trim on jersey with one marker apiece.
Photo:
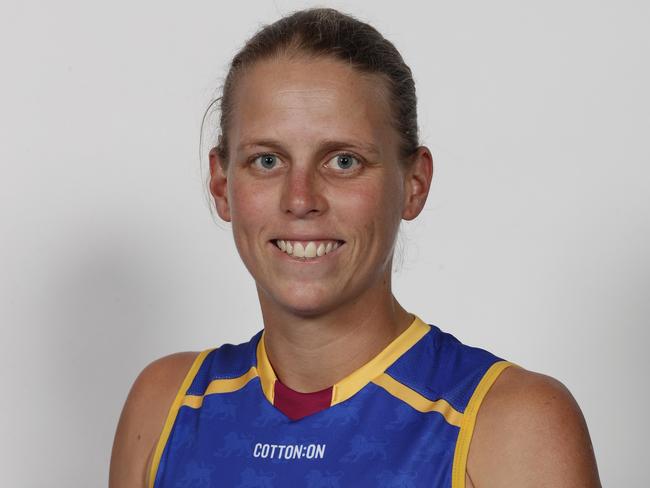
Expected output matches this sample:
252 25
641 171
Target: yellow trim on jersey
459 466
351 384
354 382
417 401
265 371
173 412
226 385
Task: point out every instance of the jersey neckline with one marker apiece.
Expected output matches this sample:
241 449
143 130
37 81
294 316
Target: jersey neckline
355 381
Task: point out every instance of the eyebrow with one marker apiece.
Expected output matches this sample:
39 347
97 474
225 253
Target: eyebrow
325 144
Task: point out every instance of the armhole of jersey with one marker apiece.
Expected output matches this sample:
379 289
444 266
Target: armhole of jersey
459 466
171 415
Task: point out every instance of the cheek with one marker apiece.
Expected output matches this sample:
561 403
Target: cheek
247 200
250 205
374 205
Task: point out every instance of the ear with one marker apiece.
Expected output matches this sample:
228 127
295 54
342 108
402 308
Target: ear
219 184
417 181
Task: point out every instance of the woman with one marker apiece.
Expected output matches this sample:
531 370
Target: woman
317 164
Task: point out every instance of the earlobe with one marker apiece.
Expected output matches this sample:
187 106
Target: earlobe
219 184
417 183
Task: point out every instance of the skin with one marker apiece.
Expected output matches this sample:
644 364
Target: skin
327 317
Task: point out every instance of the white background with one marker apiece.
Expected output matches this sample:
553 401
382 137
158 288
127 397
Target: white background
533 245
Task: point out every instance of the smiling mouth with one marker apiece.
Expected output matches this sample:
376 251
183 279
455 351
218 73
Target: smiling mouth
307 249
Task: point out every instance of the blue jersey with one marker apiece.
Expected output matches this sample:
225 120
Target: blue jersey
404 419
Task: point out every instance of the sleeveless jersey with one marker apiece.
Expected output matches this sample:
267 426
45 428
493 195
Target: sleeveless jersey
403 420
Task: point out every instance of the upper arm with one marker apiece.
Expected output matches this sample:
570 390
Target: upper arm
143 417
530 432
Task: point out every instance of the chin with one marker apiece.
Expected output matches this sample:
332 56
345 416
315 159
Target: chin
304 302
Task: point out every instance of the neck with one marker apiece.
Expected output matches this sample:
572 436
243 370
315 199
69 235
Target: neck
314 352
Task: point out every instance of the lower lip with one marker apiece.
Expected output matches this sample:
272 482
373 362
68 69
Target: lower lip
316 260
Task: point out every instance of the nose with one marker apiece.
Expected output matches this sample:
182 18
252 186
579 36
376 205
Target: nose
302 194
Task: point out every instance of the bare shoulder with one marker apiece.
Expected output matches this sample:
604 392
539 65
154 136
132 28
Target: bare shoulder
143 417
530 432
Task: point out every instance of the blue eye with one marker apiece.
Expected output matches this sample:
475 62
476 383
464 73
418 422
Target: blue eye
344 161
266 161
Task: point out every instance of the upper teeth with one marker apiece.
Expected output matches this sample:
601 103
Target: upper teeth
309 249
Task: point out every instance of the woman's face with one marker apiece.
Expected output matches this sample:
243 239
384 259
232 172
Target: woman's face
312 185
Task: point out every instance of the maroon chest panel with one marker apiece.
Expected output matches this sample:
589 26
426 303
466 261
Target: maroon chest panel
296 405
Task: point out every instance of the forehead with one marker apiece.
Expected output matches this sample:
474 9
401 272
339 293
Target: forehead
303 98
